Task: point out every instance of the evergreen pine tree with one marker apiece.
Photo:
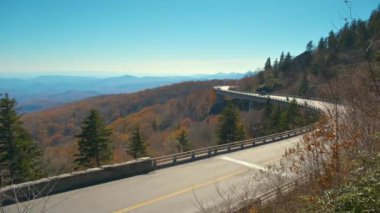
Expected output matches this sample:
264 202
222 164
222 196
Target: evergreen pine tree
19 155
268 108
183 141
332 42
230 129
374 22
294 117
287 62
282 57
137 146
347 36
268 65
276 68
283 124
304 86
94 142
321 44
362 34
275 65
310 46
274 120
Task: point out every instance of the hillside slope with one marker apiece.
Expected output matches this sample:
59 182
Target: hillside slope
336 58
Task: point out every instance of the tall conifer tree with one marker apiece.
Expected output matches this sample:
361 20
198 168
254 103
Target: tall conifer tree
183 141
294 117
268 65
310 46
19 155
137 146
230 129
94 142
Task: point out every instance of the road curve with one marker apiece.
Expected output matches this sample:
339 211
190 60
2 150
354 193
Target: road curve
173 189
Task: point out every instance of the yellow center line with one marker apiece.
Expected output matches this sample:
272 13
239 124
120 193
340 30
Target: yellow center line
179 192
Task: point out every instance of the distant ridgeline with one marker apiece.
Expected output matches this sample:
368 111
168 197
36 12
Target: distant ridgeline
50 91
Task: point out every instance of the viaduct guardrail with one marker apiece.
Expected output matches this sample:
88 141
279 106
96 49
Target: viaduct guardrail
207 152
262 201
65 182
264 98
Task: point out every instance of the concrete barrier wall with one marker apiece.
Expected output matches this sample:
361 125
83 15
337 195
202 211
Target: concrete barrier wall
65 182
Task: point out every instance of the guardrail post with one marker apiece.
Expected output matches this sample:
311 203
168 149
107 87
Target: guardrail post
209 152
215 151
278 192
242 146
229 148
311 177
174 159
154 163
259 205
193 155
253 142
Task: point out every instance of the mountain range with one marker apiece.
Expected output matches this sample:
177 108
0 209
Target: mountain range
44 92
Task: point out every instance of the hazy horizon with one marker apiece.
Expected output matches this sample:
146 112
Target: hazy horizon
105 75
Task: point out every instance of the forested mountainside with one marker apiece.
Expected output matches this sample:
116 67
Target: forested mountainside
342 162
339 55
160 113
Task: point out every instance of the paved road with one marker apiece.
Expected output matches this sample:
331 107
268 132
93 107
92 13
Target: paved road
166 190
316 103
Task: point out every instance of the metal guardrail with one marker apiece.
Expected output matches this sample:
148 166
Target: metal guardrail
263 200
300 97
268 97
183 157
291 96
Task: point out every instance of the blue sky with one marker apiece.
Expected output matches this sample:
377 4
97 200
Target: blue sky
160 37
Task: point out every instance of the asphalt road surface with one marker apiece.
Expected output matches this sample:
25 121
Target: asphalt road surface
173 189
